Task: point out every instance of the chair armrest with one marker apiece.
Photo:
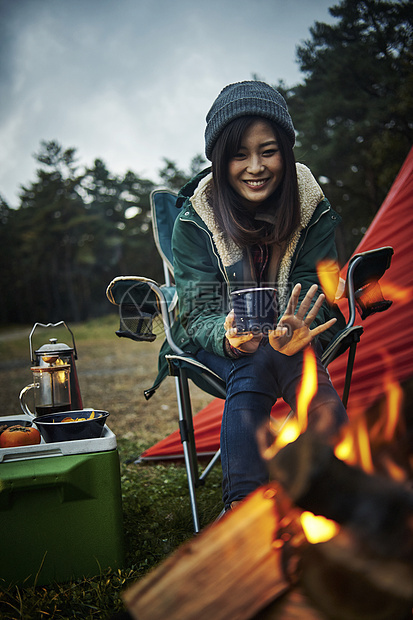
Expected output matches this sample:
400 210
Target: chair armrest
369 266
339 345
140 301
205 378
362 288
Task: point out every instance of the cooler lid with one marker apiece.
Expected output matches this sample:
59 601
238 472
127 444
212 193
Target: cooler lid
105 443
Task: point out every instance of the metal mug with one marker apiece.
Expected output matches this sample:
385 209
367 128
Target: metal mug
255 309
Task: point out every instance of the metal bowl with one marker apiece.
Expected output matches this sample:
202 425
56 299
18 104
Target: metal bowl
6 423
52 428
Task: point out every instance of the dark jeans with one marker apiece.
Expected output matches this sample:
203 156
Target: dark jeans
254 383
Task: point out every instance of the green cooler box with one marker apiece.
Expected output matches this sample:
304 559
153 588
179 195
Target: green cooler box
60 510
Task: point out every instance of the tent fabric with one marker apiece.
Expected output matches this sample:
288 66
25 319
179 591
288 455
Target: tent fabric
386 346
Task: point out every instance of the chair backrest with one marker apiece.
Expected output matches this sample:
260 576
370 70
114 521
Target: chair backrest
164 213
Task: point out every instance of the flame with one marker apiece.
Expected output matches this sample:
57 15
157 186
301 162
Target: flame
394 397
395 293
390 421
395 471
359 439
287 434
359 443
345 449
294 426
363 440
354 445
384 430
308 388
333 285
318 529
328 275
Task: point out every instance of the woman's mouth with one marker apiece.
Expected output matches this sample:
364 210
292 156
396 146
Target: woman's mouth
255 184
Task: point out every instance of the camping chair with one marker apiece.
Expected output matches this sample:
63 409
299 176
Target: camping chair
145 307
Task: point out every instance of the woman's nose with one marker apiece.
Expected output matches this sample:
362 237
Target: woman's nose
255 165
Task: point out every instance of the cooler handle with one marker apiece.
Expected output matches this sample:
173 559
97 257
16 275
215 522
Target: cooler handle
71 479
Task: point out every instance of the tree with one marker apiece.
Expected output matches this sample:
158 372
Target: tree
353 111
50 224
122 204
174 178
74 231
9 310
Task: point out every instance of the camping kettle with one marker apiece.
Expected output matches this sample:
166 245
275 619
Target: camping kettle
64 354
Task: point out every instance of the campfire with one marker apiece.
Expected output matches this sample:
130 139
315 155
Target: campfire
330 537
355 493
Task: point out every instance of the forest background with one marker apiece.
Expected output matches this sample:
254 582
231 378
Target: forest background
76 228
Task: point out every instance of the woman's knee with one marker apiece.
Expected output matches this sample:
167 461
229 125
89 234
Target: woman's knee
326 412
255 373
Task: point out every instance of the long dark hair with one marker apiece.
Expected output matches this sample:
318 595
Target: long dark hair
229 211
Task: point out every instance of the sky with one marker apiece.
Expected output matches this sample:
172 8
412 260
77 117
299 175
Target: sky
131 81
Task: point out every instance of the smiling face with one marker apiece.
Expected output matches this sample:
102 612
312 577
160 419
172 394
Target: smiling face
257 168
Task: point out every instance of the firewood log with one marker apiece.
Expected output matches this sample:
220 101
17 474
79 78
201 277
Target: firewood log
379 510
231 570
346 582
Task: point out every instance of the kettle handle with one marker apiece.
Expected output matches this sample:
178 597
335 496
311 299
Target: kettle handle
50 325
23 404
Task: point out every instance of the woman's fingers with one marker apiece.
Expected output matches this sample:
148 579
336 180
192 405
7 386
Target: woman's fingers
232 333
307 301
321 328
236 339
293 301
314 310
229 320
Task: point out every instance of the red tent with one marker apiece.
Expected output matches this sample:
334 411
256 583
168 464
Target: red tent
387 342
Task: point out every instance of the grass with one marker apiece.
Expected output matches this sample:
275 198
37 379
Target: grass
156 511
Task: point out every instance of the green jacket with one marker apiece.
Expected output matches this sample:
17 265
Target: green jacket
208 265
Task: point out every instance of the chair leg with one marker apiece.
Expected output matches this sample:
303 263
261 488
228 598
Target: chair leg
210 465
349 372
188 441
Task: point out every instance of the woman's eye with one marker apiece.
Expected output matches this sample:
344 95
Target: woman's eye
239 156
270 152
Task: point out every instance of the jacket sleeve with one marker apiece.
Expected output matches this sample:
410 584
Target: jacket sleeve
318 244
201 288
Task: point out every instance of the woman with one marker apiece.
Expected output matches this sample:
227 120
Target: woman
256 218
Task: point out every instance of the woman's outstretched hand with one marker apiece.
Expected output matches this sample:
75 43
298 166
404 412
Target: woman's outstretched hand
246 342
293 332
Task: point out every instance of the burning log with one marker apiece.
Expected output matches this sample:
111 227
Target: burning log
257 563
346 582
377 509
366 570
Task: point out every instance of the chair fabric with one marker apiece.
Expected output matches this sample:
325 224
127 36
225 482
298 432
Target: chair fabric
164 213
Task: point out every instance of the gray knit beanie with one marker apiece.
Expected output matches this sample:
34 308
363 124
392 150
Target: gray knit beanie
246 99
